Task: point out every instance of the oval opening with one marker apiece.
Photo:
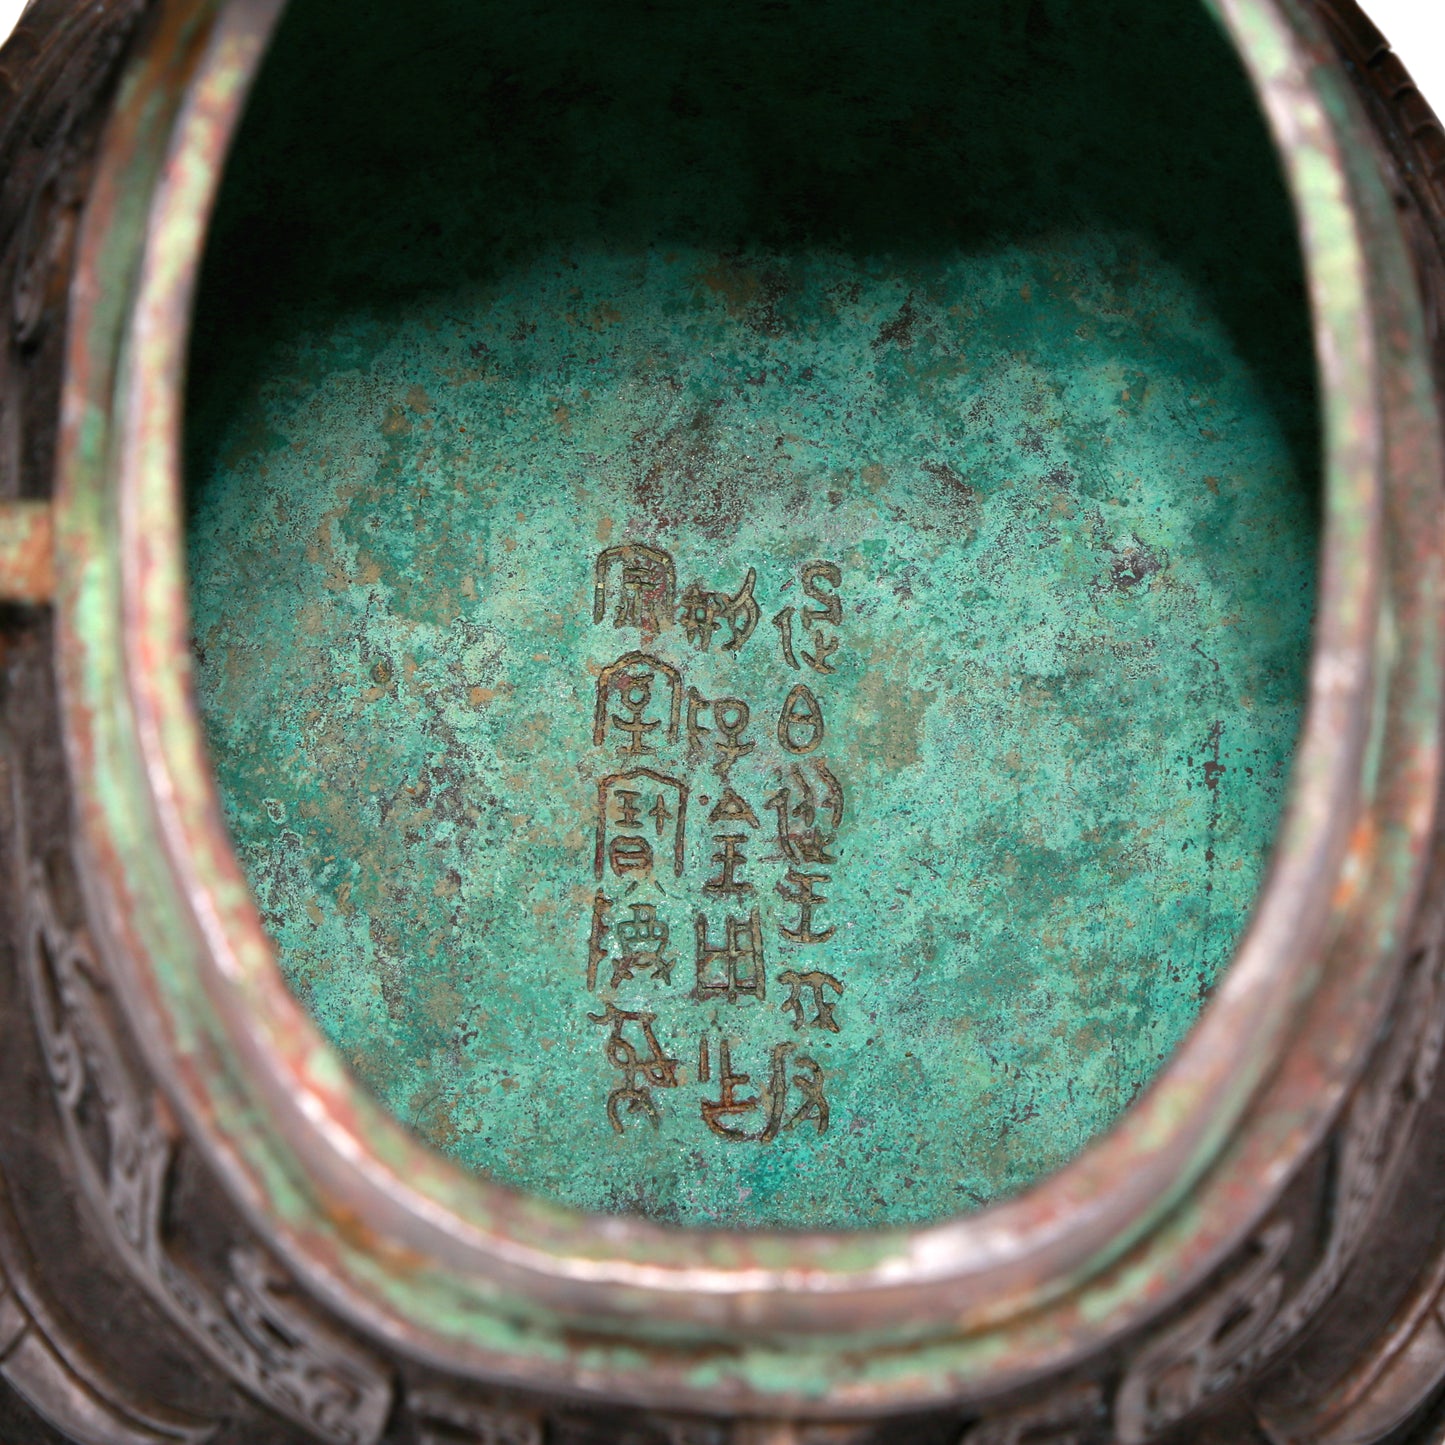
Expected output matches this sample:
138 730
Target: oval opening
752 570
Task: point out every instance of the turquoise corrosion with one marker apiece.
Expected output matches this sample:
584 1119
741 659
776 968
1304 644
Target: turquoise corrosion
752 569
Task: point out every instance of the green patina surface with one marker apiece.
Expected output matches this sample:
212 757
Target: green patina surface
662 428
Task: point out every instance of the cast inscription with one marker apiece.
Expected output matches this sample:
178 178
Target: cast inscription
691 856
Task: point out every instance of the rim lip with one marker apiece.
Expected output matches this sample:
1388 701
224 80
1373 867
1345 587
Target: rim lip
1015 1254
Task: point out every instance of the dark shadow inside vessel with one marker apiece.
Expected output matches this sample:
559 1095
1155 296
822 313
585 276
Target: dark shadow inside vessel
953 291
402 154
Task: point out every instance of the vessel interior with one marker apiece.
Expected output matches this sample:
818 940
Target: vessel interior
752 568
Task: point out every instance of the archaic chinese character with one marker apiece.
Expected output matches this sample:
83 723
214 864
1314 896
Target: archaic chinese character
832 608
728 1104
808 1081
632 805
701 613
742 970
734 809
645 594
628 685
831 612
823 645
641 1073
800 724
727 884
817 984
644 941
730 808
698 613
805 1076
731 716
799 888
802 838
630 855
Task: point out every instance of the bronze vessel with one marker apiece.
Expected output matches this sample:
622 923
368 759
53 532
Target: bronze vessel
231 1206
